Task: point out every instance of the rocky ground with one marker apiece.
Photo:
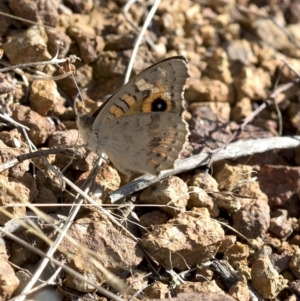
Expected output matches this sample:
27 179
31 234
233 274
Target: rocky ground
225 230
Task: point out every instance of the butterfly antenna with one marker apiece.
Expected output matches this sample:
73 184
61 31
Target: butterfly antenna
78 96
76 100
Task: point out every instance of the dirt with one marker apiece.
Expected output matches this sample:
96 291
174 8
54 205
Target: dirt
226 231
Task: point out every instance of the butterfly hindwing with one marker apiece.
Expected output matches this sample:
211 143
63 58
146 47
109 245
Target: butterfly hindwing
149 143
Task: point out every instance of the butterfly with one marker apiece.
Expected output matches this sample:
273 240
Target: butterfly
140 127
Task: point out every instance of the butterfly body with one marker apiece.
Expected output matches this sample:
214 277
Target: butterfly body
140 128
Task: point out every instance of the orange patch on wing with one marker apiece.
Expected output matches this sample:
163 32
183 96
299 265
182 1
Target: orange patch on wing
129 99
158 91
116 111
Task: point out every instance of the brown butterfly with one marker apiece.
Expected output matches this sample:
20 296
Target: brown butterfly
140 127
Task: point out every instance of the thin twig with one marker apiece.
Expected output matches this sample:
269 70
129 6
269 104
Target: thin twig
15 123
134 26
234 150
140 38
27 21
34 154
53 61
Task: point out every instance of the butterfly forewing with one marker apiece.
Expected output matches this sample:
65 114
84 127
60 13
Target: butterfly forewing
159 87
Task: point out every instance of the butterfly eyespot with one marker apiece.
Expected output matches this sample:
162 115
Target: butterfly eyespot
159 105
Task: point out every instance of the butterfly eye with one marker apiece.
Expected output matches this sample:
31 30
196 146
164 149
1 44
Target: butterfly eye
159 105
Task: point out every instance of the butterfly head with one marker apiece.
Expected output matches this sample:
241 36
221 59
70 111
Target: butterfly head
84 123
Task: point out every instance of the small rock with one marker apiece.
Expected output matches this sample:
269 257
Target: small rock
119 42
115 251
289 276
295 240
281 261
82 7
44 96
287 74
28 46
253 220
207 131
6 82
204 180
295 287
262 250
227 242
209 36
5 22
265 279
9 153
295 263
30 182
253 191
237 255
241 110
272 35
240 51
218 67
227 202
184 241
268 58
23 278
280 225
89 46
12 192
8 279
230 177
40 127
292 13
60 36
10 138
282 185
157 290
84 76
240 291
137 281
47 178
112 65
47 197
208 90
152 219
199 287
20 256
160 49
232 31
204 273
286 247
252 82
106 181
44 11
220 109
172 192
294 114
199 198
